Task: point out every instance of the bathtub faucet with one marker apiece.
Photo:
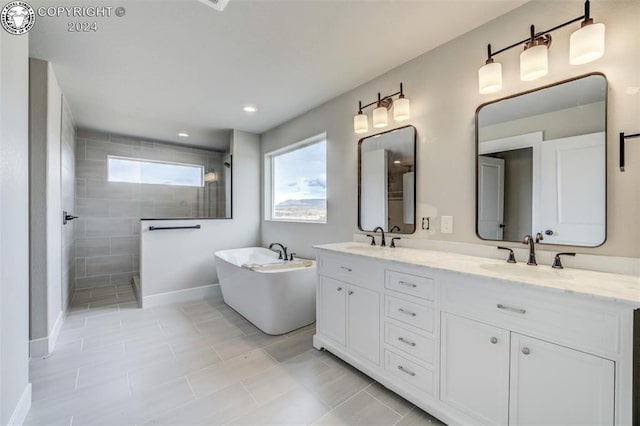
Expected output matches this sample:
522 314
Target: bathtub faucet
284 250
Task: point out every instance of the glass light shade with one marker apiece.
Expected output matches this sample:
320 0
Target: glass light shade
534 63
380 118
586 44
360 123
401 109
490 78
211 177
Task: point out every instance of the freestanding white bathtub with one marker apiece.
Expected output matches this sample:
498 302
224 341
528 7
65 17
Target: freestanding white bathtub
274 295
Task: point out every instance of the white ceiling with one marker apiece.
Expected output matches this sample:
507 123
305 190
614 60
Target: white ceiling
172 66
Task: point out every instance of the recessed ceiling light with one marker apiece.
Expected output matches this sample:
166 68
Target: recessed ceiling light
249 108
183 135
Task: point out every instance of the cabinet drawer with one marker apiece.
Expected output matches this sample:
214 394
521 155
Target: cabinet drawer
350 269
566 320
414 285
409 372
407 341
417 315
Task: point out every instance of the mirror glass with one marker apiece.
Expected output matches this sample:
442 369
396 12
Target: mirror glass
387 181
541 164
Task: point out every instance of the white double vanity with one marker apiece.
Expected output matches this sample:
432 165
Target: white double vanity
479 341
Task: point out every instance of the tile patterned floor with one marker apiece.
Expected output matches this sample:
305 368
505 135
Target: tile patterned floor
197 363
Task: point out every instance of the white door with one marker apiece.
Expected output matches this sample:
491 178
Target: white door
333 309
573 193
554 385
373 190
490 197
363 322
475 369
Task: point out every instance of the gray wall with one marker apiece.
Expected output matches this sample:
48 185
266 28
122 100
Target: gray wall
68 171
14 225
51 190
443 88
108 231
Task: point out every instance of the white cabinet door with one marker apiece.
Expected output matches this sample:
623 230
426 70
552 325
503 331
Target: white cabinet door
554 385
333 309
475 369
363 322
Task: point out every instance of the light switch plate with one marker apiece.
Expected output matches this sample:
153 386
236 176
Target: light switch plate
446 224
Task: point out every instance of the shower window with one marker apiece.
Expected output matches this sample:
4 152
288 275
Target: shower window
135 170
296 179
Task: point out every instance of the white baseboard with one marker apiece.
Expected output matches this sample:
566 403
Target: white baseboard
45 345
38 347
55 331
22 409
180 296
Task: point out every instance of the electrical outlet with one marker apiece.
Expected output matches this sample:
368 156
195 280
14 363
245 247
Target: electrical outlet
425 223
446 224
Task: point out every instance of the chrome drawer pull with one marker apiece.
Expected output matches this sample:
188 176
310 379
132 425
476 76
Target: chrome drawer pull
509 308
346 268
404 370
406 342
412 285
403 311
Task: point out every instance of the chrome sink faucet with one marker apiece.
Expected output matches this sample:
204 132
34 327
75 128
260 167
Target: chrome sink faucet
284 249
528 239
383 243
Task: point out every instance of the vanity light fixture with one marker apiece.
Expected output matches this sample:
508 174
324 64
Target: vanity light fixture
401 111
586 45
183 134
250 108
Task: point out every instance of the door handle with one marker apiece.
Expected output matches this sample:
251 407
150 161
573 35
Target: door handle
66 217
548 232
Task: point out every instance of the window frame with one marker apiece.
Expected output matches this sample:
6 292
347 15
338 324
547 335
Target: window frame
269 184
146 160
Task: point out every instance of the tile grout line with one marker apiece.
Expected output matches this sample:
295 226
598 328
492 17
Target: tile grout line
75 387
191 387
409 412
250 394
381 402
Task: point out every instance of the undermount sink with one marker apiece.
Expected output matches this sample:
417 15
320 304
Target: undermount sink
527 271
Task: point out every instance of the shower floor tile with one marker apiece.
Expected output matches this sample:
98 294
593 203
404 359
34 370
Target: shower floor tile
197 363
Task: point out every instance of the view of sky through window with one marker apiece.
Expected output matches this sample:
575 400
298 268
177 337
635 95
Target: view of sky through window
300 183
135 170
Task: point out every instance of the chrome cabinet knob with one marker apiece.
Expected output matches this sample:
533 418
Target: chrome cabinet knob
526 351
494 340
339 289
350 292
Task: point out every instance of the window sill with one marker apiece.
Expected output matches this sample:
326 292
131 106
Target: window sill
317 222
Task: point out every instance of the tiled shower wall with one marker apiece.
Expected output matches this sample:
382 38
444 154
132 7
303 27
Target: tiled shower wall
107 232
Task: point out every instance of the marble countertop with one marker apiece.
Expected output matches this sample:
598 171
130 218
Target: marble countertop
612 287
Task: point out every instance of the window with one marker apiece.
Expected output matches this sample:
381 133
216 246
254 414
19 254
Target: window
296 182
135 170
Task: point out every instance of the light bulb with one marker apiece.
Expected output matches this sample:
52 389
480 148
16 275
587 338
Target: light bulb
380 118
534 62
401 109
490 77
586 44
360 123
